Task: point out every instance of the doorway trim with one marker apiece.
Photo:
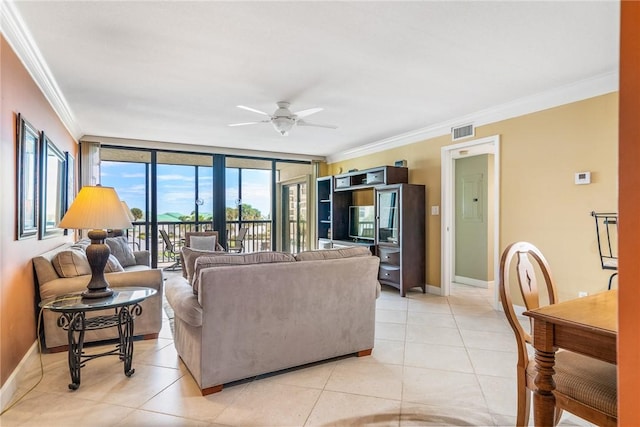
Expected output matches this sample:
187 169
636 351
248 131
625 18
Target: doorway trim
449 153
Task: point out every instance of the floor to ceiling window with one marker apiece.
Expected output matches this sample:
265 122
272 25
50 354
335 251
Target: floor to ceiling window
179 192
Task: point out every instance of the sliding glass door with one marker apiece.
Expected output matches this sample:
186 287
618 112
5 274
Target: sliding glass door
248 200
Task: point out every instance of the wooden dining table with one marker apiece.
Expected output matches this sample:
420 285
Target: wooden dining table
587 325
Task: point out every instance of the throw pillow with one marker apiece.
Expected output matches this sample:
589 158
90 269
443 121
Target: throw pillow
226 259
353 251
71 263
204 243
113 265
121 250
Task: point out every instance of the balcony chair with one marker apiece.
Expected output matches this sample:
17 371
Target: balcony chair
585 386
214 247
172 252
237 244
607 235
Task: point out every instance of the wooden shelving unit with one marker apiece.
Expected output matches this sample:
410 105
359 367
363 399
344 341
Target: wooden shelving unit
401 245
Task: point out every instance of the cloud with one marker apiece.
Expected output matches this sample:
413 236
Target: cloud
176 177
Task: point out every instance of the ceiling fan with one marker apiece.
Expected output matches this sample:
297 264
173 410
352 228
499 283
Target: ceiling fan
283 119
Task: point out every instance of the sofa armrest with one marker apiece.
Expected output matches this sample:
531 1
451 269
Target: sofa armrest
142 258
148 278
183 301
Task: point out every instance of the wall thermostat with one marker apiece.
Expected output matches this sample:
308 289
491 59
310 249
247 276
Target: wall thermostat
583 178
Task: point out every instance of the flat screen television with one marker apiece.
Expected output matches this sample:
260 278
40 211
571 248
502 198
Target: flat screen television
362 222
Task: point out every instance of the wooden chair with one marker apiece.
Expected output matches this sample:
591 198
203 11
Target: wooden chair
237 244
189 234
585 386
172 251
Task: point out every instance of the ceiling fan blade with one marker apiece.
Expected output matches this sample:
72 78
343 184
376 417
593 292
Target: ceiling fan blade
248 123
254 110
308 112
318 125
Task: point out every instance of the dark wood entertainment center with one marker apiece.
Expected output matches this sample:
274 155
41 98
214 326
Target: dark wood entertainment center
399 235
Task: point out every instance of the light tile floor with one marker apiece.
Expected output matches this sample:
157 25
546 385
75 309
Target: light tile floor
437 361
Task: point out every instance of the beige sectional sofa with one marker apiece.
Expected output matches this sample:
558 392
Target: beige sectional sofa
263 312
57 273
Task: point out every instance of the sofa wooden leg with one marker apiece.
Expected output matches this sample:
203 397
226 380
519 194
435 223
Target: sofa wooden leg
364 352
58 349
150 336
211 390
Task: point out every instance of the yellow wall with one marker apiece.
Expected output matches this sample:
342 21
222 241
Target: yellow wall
539 202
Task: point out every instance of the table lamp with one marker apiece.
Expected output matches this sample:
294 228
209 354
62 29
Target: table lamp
96 208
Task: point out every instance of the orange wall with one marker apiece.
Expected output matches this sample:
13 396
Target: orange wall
20 94
629 203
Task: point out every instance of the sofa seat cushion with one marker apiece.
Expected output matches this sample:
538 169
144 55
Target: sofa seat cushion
236 259
354 251
184 303
136 267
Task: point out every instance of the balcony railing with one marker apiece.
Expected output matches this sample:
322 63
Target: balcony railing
258 238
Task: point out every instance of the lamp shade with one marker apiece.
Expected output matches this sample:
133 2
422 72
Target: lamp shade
128 211
96 208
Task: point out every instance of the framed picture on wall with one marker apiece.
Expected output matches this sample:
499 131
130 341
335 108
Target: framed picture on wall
53 188
27 162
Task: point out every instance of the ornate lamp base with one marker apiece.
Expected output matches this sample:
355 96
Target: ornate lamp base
97 255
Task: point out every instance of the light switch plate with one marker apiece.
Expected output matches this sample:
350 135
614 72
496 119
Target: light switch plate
435 210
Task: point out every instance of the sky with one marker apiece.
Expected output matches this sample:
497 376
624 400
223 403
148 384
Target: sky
176 187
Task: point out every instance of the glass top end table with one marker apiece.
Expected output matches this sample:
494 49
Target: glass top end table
125 303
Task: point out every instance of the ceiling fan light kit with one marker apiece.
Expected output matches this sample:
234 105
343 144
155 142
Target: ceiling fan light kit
283 119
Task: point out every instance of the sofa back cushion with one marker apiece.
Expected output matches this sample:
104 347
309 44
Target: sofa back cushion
121 250
189 256
353 251
73 262
226 259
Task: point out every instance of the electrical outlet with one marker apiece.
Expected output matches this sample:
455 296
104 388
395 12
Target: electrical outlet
435 210
582 294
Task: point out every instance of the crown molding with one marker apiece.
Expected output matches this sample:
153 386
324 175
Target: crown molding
19 38
577 91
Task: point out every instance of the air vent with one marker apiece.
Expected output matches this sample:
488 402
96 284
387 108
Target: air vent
462 132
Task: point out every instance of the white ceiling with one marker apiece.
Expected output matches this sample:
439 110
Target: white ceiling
175 71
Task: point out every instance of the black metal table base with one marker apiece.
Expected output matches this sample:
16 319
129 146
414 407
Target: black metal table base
76 324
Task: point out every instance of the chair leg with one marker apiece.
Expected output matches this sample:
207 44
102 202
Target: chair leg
524 406
611 279
557 416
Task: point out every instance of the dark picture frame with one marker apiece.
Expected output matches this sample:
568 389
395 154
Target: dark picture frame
70 177
27 163
53 188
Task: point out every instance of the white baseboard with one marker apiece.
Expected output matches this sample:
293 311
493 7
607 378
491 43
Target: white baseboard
9 388
434 290
471 282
